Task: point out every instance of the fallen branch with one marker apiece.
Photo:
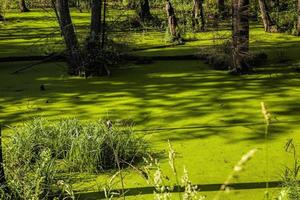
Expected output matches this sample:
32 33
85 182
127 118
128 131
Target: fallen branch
29 66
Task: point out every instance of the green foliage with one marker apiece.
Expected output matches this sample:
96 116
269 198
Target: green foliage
285 15
287 22
41 150
30 176
85 147
163 94
3 8
291 187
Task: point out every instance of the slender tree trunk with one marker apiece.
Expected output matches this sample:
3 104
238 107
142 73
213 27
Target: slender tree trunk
198 13
268 25
104 65
95 45
104 25
93 49
240 34
70 38
221 8
195 13
172 21
2 174
202 15
96 19
144 10
23 7
235 34
298 21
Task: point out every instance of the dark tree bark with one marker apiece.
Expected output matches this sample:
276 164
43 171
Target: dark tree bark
88 62
104 25
23 7
95 65
298 21
268 24
93 48
2 174
240 36
221 8
68 32
96 19
172 21
144 10
198 13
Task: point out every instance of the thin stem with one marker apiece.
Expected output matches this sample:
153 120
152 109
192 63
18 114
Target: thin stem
266 157
2 174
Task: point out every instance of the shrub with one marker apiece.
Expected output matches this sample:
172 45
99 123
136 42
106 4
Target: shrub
284 14
220 56
257 58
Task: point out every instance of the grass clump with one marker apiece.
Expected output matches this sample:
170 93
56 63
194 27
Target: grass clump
40 152
83 146
291 187
28 179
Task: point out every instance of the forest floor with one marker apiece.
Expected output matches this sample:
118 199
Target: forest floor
210 117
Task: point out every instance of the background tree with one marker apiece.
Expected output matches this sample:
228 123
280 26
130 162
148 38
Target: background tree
172 21
298 18
3 8
221 8
144 10
240 36
198 13
70 38
94 66
23 7
268 23
88 61
96 19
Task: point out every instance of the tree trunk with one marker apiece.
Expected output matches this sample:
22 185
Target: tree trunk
94 61
298 21
2 174
104 25
240 36
144 10
268 25
22 6
198 13
172 21
93 49
1 18
221 8
202 15
69 35
96 19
